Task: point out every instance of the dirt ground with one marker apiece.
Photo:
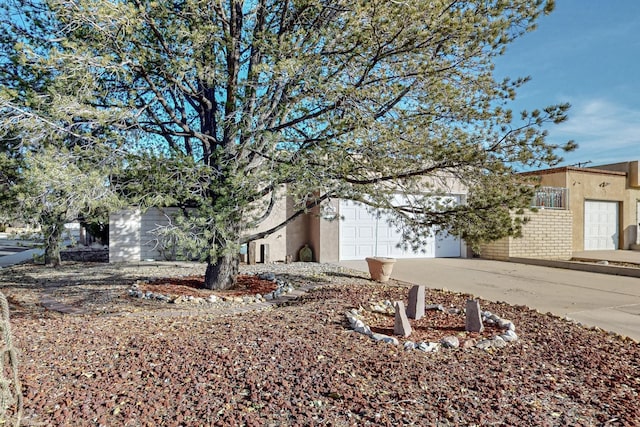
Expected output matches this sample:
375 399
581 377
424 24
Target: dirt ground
132 362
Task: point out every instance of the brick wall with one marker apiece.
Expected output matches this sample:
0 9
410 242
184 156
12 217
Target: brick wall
547 235
496 250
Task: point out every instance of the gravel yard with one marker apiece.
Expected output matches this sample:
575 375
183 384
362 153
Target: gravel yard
135 362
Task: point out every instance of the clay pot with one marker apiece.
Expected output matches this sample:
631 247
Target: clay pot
380 268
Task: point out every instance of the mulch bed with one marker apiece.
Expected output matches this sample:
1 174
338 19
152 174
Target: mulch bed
247 285
300 364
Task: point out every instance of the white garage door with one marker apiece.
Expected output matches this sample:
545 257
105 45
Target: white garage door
364 234
600 225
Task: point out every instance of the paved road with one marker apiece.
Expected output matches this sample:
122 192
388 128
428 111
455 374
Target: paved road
16 251
608 301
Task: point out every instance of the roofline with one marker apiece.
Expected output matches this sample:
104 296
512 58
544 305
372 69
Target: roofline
564 169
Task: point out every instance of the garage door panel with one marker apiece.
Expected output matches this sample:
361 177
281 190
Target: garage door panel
447 246
349 232
366 232
600 225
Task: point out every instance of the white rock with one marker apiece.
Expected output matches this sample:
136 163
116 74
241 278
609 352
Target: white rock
428 347
506 324
358 323
363 330
385 338
509 336
498 342
409 345
450 342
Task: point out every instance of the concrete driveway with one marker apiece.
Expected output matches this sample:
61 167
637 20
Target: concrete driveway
607 301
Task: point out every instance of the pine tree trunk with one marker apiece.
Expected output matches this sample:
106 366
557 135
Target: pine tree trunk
222 274
52 237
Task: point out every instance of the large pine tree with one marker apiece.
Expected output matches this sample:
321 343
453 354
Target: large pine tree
249 101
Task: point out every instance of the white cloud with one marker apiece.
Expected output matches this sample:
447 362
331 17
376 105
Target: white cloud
605 131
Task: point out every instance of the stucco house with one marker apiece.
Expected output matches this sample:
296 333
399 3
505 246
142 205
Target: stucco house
359 234
578 209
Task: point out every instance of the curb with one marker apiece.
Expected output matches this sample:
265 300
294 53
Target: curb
580 266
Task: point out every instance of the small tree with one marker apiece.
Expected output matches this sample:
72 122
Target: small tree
310 99
59 186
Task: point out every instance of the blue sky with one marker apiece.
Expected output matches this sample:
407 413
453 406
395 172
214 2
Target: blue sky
587 53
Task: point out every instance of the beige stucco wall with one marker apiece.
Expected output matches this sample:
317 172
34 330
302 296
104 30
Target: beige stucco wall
277 241
599 185
324 232
297 233
547 235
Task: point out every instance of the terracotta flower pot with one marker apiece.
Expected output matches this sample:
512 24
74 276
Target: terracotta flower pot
380 268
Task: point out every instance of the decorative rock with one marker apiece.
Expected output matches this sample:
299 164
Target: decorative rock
364 329
415 308
473 321
305 254
450 342
509 336
428 347
385 338
213 299
357 323
485 344
506 324
469 343
409 345
438 307
498 342
401 326
267 276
